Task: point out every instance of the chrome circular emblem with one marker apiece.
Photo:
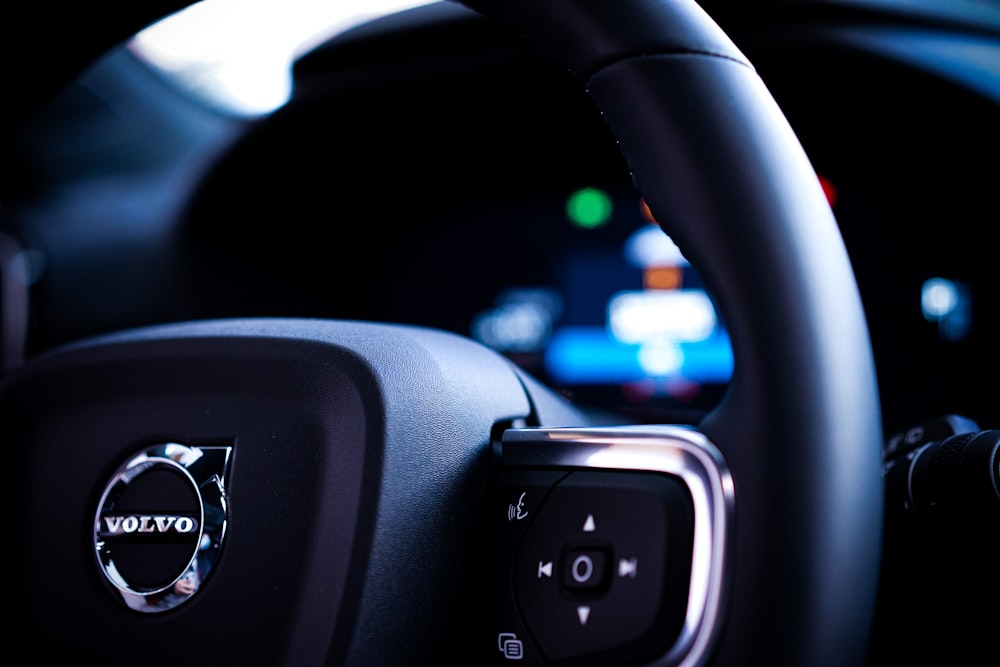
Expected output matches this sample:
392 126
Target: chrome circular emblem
161 522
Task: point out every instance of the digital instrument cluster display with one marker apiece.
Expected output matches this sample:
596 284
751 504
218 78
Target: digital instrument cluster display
627 320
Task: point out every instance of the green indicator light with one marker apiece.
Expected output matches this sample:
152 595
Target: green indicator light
589 208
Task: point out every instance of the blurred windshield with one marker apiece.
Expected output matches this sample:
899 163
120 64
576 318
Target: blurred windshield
237 54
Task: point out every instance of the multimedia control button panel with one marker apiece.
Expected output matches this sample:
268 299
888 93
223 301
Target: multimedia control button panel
598 565
618 545
608 546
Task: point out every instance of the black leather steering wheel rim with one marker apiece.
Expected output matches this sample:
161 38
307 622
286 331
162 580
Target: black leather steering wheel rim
725 176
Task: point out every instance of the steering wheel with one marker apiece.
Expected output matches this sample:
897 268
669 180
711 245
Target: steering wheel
352 464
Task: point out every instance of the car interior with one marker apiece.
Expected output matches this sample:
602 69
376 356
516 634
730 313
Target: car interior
550 332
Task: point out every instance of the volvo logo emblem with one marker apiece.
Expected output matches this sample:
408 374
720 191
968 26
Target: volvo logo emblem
116 525
160 524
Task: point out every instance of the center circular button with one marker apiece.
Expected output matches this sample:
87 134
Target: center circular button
585 568
582 568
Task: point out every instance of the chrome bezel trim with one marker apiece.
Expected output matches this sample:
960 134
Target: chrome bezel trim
675 450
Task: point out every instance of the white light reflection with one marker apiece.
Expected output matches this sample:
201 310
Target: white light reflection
237 54
661 358
655 315
649 246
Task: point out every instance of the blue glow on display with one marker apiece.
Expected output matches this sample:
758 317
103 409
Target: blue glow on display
631 313
591 355
947 302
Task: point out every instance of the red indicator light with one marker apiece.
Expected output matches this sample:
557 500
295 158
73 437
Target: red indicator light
829 190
